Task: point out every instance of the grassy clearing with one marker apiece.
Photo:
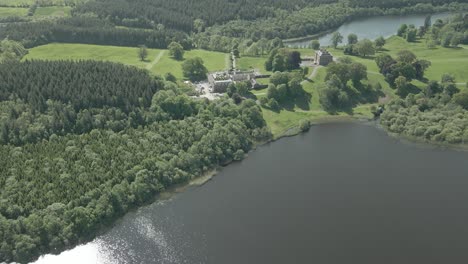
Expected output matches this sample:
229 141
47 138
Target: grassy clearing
15 3
251 63
13 11
55 11
127 55
214 61
59 51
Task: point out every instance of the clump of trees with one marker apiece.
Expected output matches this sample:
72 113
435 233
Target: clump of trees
11 50
450 33
408 32
284 88
194 69
176 51
438 113
283 60
405 67
362 48
343 87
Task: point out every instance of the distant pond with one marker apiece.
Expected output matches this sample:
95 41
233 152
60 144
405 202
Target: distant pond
370 28
341 193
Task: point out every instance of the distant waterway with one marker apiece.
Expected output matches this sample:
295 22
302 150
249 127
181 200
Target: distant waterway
341 193
370 28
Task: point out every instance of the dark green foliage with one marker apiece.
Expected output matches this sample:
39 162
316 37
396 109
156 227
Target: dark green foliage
352 39
461 99
285 88
176 50
57 193
83 84
142 52
194 69
182 14
338 94
315 45
406 65
88 30
283 60
43 98
11 51
432 119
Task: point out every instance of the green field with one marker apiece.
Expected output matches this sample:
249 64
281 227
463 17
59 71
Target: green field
23 3
158 61
252 63
13 11
214 61
58 51
15 3
56 11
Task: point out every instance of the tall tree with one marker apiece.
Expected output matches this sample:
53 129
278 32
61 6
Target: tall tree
176 50
142 52
336 39
352 39
194 69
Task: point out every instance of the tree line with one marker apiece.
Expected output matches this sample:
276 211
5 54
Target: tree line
89 30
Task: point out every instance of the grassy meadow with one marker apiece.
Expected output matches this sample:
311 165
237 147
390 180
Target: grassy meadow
157 62
55 11
59 51
13 11
214 61
15 3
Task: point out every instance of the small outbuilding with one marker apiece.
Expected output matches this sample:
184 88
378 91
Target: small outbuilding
323 57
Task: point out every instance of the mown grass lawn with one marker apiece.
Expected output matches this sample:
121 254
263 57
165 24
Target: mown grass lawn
214 61
15 3
54 11
252 63
60 51
13 11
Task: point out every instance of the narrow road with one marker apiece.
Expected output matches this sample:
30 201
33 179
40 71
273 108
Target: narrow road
156 60
313 74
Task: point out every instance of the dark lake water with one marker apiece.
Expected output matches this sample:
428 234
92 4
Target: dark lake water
371 28
342 193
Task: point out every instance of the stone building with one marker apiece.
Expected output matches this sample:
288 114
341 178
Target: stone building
323 57
220 81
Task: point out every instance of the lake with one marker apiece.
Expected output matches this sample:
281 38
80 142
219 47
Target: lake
370 28
341 193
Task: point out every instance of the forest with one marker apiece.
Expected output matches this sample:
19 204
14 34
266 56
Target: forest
59 191
89 30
